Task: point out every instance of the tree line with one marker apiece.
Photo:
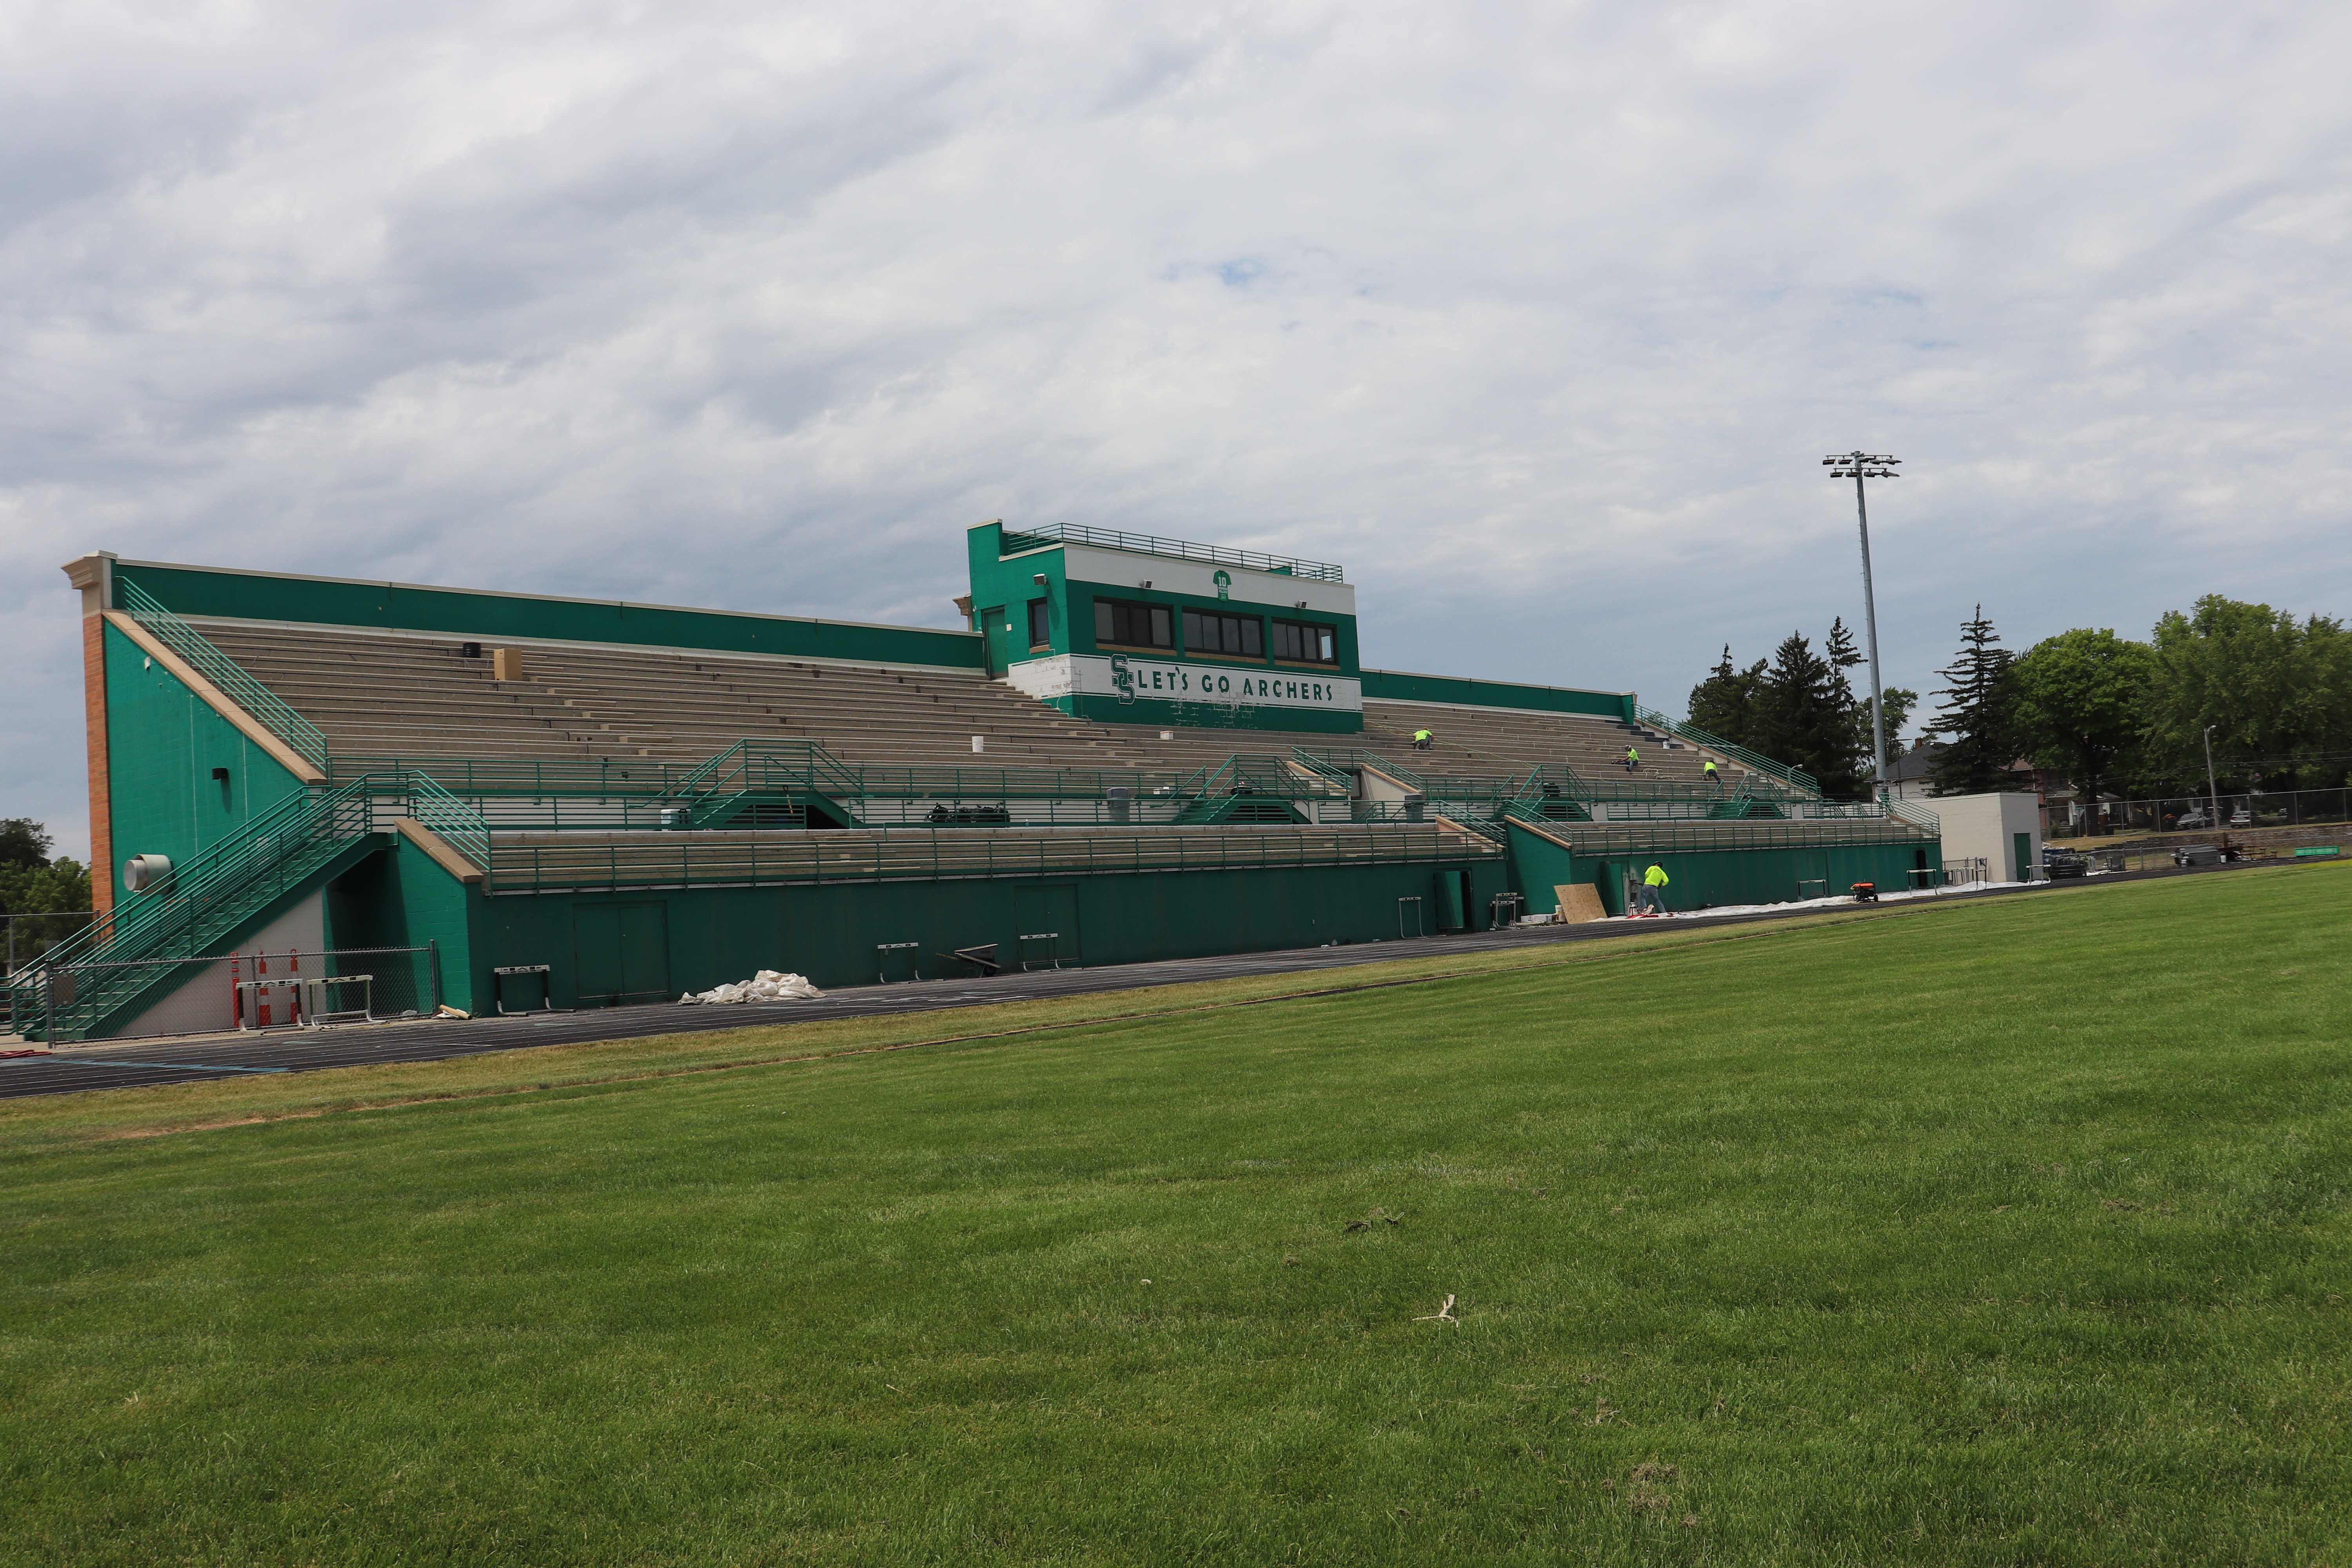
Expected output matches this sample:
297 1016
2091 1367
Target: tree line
33 884
1800 707
2115 716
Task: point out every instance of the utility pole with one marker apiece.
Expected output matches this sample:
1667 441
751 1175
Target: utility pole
1858 467
2212 791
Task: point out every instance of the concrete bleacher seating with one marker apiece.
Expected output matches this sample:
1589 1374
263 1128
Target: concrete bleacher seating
379 695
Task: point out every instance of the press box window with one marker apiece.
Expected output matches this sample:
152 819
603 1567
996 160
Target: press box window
1306 642
1137 626
1205 632
1041 625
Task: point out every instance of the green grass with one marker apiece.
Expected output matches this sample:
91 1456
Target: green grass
2005 1232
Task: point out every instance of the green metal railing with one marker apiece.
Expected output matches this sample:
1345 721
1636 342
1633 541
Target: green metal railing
585 779
266 707
458 825
1917 815
1690 833
1796 778
1038 535
915 854
1246 772
154 935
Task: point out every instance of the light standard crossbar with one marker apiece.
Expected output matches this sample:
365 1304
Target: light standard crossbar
1858 467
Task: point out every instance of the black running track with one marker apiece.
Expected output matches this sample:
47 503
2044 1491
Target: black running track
139 1063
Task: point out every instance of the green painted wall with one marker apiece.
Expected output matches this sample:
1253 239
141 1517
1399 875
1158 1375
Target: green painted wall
402 898
1722 877
1718 876
200 590
829 933
163 744
1538 865
1397 686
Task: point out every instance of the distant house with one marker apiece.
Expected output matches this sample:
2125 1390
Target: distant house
1907 779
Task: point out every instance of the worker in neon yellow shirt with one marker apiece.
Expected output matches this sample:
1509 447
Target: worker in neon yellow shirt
1632 759
1708 773
1653 890
1422 740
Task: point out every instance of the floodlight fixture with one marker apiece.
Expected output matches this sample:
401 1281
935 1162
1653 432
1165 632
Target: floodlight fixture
1858 467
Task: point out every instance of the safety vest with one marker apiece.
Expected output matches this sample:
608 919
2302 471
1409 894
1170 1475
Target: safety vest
1631 752
1421 735
1656 877
1709 768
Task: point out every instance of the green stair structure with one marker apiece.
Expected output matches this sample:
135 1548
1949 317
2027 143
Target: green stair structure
159 938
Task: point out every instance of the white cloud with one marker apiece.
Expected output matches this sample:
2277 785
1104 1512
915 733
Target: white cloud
1538 317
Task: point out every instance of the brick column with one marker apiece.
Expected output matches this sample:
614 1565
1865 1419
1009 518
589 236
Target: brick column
93 575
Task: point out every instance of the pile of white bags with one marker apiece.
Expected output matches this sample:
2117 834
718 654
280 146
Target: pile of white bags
765 986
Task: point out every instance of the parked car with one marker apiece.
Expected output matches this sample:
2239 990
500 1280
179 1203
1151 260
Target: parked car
2196 818
2240 818
2057 863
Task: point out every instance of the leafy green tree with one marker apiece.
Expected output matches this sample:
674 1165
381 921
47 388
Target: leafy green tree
23 842
33 884
1724 704
1980 746
2278 693
2077 703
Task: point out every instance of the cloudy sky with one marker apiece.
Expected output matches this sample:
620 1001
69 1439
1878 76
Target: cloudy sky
1538 317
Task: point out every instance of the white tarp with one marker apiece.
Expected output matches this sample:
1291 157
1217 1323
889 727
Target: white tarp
768 986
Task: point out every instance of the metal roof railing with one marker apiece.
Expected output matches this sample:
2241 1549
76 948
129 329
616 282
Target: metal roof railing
266 707
1796 778
1045 534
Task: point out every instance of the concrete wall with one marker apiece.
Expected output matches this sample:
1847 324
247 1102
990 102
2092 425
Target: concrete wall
1986 826
202 1004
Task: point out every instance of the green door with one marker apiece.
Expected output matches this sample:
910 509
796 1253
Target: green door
2025 856
620 953
996 625
1040 912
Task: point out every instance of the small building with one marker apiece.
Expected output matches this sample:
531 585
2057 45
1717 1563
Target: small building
2000 833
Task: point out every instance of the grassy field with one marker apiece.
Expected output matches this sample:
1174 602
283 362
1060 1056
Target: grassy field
2002 1232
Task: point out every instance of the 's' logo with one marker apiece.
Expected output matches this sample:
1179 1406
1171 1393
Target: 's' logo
1121 679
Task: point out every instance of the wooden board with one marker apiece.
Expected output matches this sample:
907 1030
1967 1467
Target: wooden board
1579 902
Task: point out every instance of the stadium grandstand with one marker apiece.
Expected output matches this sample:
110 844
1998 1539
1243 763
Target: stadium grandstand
1137 748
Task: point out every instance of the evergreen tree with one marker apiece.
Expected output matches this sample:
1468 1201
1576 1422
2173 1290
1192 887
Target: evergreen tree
1805 716
1894 705
1982 745
1724 704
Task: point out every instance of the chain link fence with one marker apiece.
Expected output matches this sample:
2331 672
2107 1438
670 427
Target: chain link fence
2198 813
220 992
29 935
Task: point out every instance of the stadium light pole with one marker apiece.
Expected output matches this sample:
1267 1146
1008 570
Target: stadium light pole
1858 467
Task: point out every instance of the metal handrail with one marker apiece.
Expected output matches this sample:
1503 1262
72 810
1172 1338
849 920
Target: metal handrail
921 854
1796 778
269 709
1685 833
1035 535
1917 815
